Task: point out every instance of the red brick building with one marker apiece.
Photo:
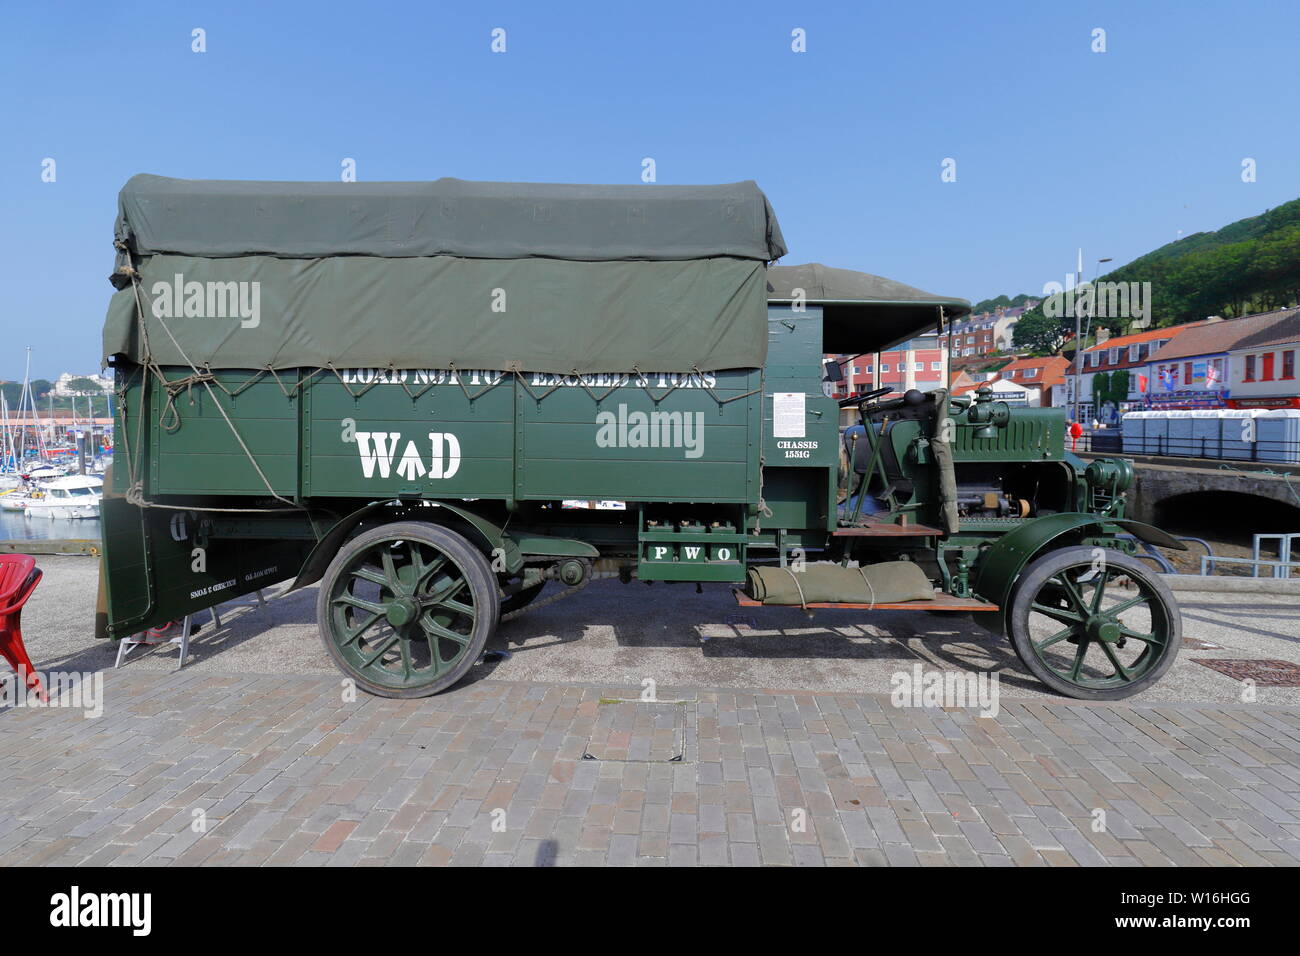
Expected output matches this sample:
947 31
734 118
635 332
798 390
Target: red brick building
921 364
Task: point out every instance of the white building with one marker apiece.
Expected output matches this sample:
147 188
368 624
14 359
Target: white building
62 386
1263 364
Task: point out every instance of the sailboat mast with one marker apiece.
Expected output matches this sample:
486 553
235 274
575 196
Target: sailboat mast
41 446
23 399
7 440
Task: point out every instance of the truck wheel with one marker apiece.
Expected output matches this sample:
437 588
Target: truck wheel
405 609
1085 637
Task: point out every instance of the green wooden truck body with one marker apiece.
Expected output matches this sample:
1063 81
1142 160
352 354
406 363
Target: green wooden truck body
228 480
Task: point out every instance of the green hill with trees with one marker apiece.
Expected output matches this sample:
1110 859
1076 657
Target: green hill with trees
45 401
1001 301
1252 265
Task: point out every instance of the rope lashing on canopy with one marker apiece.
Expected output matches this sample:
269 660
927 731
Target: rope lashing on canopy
197 376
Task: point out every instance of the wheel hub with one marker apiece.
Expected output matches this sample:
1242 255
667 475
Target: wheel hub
401 612
1103 629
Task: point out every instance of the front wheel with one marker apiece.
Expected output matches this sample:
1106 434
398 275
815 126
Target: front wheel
405 609
1082 634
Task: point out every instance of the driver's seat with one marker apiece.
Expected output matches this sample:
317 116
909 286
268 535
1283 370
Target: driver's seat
895 484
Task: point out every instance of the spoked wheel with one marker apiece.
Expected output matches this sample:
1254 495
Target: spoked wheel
1085 636
406 609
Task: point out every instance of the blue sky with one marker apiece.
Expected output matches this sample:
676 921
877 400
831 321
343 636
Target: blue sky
1056 146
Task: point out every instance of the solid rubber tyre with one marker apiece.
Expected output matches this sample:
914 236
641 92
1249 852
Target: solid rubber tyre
431 601
1087 627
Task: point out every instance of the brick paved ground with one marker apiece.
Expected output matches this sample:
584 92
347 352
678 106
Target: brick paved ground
284 771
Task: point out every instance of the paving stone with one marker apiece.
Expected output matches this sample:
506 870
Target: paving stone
745 854
288 775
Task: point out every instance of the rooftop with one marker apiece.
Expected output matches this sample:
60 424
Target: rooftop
1283 330
1211 338
1050 370
1149 335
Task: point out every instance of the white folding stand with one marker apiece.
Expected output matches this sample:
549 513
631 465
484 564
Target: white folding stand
127 644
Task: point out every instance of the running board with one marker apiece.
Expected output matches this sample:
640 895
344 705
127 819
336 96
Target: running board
941 602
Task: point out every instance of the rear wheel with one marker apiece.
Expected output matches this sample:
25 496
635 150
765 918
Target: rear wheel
1082 634
405 609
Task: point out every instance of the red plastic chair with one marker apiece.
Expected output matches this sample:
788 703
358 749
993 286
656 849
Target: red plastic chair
19 576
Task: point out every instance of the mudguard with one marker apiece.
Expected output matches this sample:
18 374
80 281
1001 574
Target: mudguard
1000 568
159 566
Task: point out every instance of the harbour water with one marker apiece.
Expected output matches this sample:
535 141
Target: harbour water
14 526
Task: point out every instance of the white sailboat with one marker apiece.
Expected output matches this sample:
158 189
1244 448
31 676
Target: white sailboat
14 498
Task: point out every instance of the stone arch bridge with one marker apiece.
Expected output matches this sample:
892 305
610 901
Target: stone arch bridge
1163 487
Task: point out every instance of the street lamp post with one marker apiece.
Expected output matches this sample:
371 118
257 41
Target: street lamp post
1092 314
1081 335
1078 350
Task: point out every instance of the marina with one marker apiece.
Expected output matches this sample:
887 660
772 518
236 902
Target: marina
50 468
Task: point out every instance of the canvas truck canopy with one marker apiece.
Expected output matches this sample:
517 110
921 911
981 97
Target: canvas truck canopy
447 217
862 312
528 277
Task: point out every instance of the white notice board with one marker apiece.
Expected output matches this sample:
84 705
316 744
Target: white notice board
788 414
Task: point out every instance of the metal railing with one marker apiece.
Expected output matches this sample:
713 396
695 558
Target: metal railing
1149 552
1281 569
1281 566
1218 449
1109 443
1286 544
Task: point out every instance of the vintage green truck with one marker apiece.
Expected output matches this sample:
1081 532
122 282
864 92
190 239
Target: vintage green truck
393 389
